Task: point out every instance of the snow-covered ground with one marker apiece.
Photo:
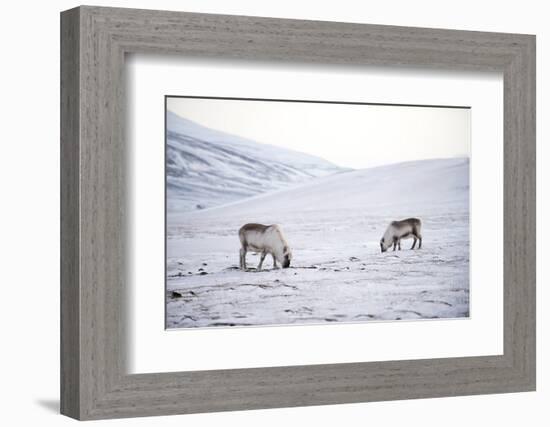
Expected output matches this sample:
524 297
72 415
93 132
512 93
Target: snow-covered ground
333 224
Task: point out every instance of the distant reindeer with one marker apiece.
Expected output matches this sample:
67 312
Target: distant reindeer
404 229
265 239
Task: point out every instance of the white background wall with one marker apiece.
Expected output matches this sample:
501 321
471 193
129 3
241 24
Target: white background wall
29 214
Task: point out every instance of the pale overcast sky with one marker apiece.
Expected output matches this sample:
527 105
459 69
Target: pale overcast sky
355 136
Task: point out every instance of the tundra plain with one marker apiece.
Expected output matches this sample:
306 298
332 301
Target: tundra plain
333 225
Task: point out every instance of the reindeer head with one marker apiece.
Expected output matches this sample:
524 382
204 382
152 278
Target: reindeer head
287 256
384 244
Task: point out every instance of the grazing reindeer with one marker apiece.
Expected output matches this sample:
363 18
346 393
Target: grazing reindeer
266 239
404 229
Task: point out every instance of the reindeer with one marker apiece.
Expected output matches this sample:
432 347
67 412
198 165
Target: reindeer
265 239
404 229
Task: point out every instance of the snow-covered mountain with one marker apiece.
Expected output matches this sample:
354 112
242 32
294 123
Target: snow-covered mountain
207 168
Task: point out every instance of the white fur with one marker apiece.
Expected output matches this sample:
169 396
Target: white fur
270 240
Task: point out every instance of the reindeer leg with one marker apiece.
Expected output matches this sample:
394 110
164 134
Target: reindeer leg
242 259
399 244
274 261
414 243
419 242
262 257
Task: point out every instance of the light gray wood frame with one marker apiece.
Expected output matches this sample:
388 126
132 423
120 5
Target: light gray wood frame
94 41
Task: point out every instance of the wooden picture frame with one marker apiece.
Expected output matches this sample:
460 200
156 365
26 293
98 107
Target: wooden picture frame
94 41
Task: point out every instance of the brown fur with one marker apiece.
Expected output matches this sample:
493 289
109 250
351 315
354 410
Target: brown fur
403 229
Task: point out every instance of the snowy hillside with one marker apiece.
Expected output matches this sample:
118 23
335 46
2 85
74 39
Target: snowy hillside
418 186
333 225
206 167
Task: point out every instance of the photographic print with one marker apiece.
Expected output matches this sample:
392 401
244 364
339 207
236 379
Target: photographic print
292 212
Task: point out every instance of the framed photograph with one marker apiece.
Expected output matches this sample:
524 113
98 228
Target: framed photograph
262 213
334 185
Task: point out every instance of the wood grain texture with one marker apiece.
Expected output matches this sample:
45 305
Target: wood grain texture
70 291
94 238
